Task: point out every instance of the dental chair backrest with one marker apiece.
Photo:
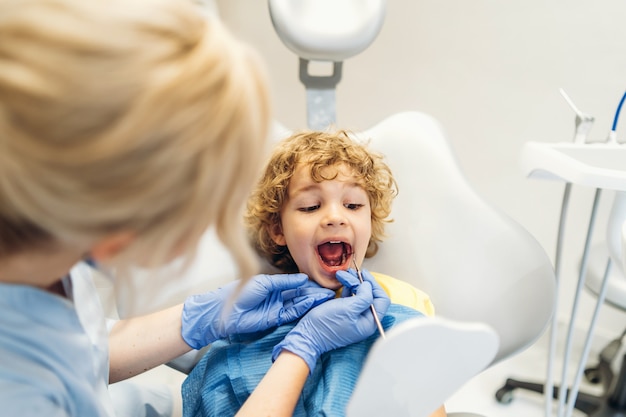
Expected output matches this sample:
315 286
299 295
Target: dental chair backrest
476 263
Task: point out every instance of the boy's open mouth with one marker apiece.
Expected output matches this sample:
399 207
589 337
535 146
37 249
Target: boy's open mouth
334 253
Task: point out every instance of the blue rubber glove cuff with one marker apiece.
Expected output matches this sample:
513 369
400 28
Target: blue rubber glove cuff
201 319
296 343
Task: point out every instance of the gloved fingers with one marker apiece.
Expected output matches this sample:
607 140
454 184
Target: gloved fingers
261 287
381 299
363 297
381 304
316 292
320 293
350 280
298 308
301 301
282 282
346 292
367 275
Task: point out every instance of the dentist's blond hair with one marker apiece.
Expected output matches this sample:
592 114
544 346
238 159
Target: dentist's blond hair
126 115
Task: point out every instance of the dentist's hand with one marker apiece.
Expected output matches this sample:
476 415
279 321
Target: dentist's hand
348 290
336 323
265 301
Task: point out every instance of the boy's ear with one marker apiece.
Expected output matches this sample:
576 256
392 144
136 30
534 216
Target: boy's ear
276 233
111 245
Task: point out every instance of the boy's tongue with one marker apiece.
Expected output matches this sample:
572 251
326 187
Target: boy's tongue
331 253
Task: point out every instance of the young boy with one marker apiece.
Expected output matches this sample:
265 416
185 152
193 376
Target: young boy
319 209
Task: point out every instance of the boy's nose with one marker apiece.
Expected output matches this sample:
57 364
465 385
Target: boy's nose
334 217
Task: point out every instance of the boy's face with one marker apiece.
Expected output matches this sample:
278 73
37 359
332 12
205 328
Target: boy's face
325 224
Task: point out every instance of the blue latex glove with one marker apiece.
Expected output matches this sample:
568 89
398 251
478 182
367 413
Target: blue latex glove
337 323
350 289
265 301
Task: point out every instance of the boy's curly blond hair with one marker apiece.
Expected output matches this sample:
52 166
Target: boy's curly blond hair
319 150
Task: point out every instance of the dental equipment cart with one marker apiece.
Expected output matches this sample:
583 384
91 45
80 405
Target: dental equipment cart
603 167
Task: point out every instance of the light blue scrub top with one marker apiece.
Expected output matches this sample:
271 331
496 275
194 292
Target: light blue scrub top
54 351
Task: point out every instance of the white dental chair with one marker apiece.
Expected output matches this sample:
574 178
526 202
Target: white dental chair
478 265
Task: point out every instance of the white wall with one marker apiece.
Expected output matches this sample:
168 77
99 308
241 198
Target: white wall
490 72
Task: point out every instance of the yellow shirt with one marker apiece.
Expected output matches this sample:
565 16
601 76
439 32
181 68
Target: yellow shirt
401 292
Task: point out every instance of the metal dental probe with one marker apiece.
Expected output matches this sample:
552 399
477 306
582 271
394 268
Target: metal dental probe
378 323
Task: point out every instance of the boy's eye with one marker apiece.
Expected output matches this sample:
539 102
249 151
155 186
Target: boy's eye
353 206
309 209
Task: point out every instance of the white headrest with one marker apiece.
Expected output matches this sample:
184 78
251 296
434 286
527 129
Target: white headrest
327 30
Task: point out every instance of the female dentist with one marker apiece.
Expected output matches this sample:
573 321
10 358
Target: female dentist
127 128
